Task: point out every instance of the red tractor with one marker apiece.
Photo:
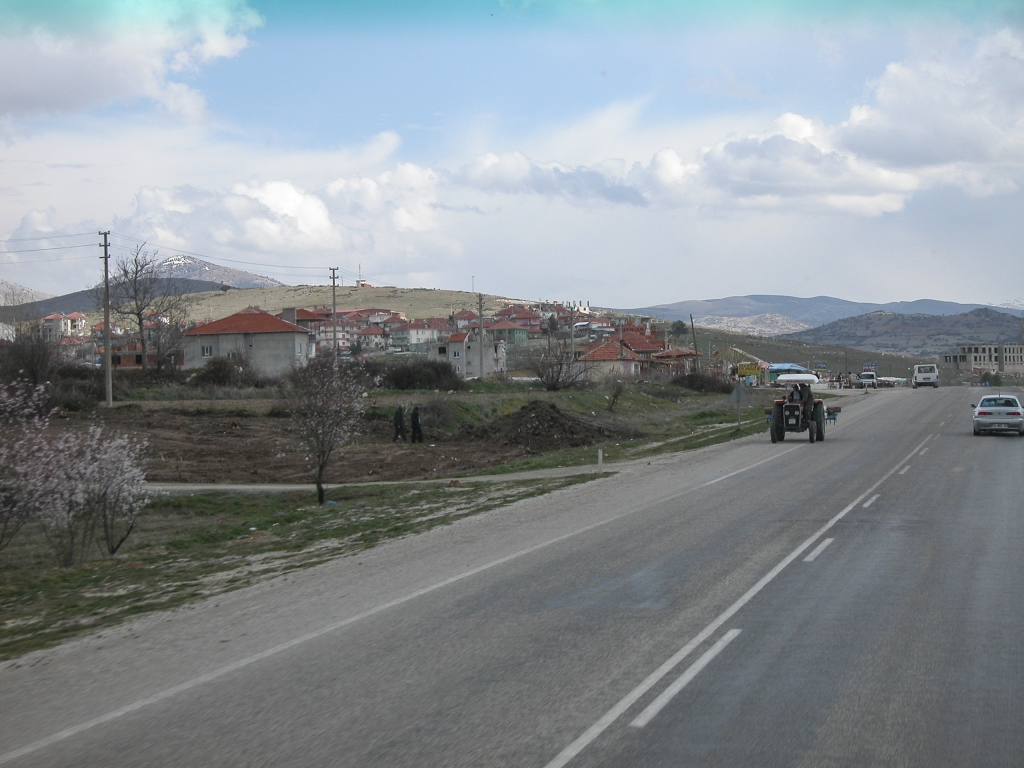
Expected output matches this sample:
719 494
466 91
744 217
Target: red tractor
795 416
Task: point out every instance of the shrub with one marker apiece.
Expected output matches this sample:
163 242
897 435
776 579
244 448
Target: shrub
702 382
992 379
416 373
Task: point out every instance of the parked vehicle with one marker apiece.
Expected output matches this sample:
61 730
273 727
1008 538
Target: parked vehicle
791 417
867 379
998 413
925 376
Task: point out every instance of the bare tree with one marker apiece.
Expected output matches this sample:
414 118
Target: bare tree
325 403
139 294
555 365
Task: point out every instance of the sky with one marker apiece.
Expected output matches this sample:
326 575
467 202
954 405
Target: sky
622 153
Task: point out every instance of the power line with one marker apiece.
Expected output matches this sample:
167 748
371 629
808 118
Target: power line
47 237
40 261
221 258
53 248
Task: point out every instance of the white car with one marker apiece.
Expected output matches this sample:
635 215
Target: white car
925 376
867 379
998 413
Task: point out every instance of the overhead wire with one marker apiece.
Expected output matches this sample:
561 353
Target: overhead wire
286 267
45 237
52 248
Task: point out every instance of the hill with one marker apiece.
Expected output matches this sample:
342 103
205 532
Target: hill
919 335
85 301
12 294
762 313
190 268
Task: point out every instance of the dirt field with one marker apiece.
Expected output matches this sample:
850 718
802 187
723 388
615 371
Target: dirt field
241 444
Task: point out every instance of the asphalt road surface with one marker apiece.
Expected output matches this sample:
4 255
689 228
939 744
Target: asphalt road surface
852 602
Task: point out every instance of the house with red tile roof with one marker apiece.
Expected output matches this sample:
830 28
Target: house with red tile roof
269 344
512 333
675 361
373 339
609 359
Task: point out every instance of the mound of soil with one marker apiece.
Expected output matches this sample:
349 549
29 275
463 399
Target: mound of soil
537 426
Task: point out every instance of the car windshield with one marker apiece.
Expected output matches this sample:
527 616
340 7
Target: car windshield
926 369
999 402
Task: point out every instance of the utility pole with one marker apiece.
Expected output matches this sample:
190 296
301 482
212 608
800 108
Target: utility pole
480 301
334 309
693 330
108 376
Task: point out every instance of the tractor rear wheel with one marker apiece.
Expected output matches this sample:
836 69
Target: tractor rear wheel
812 431
819 421
778 428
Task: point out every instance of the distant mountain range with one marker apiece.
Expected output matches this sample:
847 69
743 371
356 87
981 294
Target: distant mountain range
918 335
191 268
811 312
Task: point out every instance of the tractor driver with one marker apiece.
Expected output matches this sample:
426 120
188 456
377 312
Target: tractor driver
807 398
795 396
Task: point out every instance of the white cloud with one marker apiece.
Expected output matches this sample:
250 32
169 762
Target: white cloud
52 65
514 173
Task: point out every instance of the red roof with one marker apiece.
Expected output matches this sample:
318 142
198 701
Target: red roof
373 330
505 325
458 337
673 354
610 350
76 316
465 314
639 342
246 321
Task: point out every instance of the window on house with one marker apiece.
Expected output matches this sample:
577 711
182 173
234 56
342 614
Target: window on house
455 354
458 369
207 351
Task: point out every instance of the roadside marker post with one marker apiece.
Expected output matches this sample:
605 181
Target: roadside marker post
738 396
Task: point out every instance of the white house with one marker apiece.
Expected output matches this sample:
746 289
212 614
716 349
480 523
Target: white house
414 335
268 343
463 352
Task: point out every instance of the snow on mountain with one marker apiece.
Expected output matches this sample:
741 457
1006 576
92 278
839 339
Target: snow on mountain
191 268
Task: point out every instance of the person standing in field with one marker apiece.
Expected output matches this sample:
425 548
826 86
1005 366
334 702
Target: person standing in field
417 427
399 426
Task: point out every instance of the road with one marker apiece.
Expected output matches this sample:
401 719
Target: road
853 602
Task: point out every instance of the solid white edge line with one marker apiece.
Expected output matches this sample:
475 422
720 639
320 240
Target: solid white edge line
683 680
249 660
818 550
652 679
870 501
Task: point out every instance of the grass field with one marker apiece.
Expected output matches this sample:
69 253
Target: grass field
189 547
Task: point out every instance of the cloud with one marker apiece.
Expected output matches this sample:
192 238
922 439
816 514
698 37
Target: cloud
955 119
514 173
101 52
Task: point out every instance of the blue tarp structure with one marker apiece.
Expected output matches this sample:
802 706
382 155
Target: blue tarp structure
777 369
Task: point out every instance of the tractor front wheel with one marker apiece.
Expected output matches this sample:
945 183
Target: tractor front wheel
819 421
812 431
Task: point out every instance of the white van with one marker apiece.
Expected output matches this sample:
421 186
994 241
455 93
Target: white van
926 376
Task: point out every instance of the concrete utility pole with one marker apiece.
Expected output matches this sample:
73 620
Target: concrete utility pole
334 308
480 301
693 330
108 376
